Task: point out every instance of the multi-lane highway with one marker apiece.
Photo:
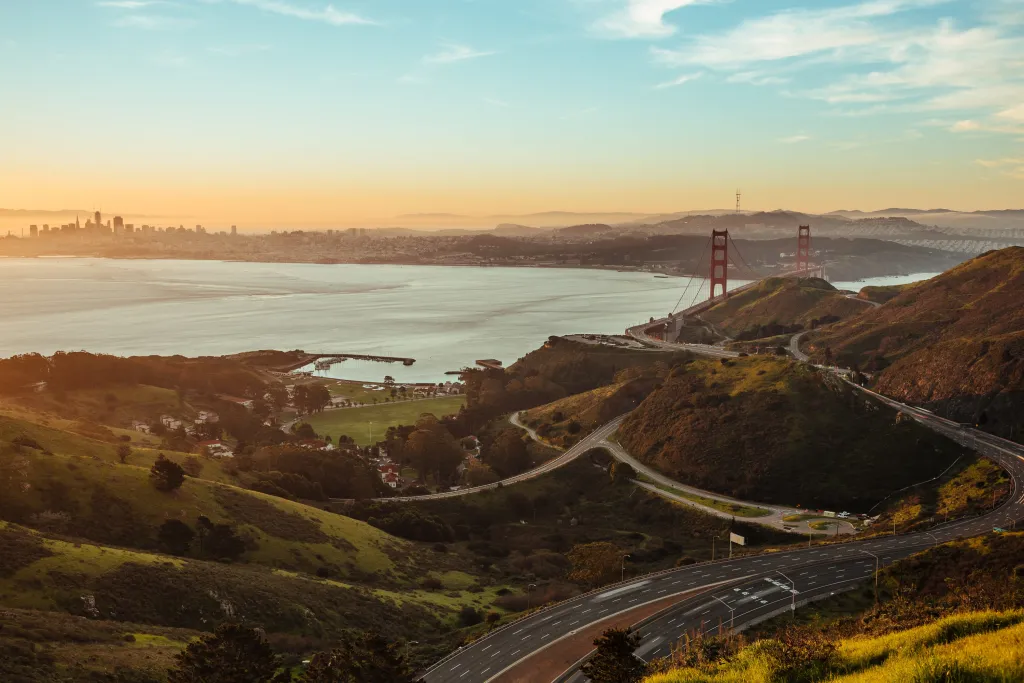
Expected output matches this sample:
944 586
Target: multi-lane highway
739 591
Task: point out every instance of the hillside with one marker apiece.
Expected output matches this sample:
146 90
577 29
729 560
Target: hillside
771 430
951 613
777 303
954 343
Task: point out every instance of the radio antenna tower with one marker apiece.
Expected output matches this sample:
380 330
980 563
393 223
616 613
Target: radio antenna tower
738 195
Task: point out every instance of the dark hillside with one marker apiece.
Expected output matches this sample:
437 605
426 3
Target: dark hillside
771 430
955 342
785 302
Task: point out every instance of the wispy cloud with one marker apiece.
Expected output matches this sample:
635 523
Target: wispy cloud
495 102
755 78
679 80
150 22
1013 167
452 53
867 56
326 14
642 18
793 139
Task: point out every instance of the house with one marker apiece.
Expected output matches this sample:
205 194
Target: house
391 479
244 402
315 445
171 423
207 416
141 427
215 449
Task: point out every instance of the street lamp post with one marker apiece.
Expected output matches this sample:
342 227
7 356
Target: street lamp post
732 611
623 577
876 571
713 539
792 592
529 596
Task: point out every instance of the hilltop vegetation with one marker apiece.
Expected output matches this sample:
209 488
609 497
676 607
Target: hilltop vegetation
559 368
951 613
954 343
779 305
771 430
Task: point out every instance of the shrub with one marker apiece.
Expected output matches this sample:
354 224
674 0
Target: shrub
166 475
469 616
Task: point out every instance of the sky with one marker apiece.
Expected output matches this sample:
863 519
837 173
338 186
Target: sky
262 112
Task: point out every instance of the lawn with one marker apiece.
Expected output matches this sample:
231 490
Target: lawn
369 424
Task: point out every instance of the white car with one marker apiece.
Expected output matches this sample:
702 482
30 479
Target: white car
843 515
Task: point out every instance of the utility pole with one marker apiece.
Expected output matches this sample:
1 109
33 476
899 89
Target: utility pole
876 571
529 596
623 577
713 538
793 593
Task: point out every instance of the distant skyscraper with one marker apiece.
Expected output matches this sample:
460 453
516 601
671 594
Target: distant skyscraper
118 225
234 229
97 220
33 231
77 225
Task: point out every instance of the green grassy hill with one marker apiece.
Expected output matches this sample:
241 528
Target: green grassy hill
951 613
781 302
110 583
955 342
771 430
982 646
588 410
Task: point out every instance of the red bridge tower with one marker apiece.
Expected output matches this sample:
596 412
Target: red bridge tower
803 250
719 261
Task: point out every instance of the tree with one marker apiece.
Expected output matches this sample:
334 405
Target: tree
622 473
508 455
595 563
175 536
614 661
232 654
366 658
203 527
304 430
166 475
222 543
124 451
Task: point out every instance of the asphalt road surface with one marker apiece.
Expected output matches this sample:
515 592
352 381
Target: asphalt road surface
765 582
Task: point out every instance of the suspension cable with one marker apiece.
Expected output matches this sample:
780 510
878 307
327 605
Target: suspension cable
740 254
692 275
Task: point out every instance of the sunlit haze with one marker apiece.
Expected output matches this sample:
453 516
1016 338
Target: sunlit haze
303 113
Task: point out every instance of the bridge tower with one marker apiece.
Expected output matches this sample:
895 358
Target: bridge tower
719 261
803 250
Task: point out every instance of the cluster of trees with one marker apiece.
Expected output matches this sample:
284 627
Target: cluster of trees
311 398
215 541
429 447
293 472
411 523
236 654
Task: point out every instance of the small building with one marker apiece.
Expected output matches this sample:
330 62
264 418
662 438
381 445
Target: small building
215 449
207 417
171 423
141 427
391 479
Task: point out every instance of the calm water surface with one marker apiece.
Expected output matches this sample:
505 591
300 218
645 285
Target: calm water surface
444 317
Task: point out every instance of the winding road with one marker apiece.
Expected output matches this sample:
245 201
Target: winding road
731 593
739 591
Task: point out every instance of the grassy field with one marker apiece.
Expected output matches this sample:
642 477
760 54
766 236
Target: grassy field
731 508
369 424
980 646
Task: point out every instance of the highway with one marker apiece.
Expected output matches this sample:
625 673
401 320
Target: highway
743 590
765 582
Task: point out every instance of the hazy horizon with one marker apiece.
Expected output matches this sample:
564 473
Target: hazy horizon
301 112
